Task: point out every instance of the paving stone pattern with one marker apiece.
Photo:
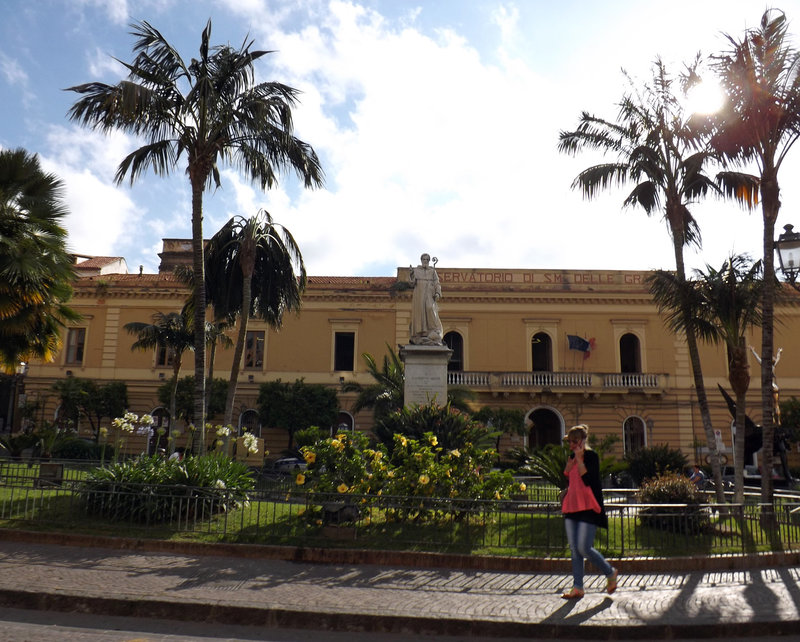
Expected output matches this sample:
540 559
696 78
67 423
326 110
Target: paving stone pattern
364 597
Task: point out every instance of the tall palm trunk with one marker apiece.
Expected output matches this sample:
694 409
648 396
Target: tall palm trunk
739 377
173 395
247 260
694 358
198 264
770 204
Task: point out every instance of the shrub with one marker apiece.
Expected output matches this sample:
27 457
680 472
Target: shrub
153 490
650 462
452 429
84 449
673 488
337 465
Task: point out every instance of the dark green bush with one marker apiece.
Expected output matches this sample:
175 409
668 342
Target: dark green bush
82 449
673 488
650 462
154 490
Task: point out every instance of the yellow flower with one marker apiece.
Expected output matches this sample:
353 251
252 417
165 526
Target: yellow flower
522 487
378 454
309 456
342 488
424 479
337 444
403 441
455 453
390 474
434 441
497 494
300 479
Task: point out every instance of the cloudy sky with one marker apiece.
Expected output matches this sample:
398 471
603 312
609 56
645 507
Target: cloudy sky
436 122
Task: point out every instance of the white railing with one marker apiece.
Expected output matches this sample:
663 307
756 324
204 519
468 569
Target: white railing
477 379
630 380
555 380
546 379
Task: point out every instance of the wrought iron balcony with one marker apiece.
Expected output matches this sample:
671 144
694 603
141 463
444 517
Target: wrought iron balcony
593 383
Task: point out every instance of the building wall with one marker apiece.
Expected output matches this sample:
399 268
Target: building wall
497 312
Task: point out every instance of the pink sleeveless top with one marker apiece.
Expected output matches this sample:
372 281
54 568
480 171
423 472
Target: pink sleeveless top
579 496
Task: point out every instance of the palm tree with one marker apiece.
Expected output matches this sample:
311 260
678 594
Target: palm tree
173 333
206 111
760 124
656 146
385 396
216 335
246 252
36 270
726 305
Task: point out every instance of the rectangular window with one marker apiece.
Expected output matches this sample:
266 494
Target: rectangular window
76 338
165 357
344 348
254 349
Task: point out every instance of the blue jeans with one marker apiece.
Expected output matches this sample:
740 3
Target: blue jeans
581 542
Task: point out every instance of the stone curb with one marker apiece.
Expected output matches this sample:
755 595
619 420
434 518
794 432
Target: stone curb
414 559
309 619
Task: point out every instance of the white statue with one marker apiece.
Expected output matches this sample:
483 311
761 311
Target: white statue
426 328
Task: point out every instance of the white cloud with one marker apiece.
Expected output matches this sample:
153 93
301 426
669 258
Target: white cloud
101 215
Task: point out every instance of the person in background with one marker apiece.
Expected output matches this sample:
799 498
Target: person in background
698 477
584 512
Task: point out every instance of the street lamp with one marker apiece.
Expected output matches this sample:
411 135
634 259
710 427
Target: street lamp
788 247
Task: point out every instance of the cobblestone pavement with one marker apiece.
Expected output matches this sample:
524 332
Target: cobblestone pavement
396 599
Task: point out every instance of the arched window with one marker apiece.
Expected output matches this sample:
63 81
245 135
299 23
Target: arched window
545 427
541 352
249 422
455 342
630 358
633 434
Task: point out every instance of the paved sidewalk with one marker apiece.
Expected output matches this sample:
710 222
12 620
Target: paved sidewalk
394 598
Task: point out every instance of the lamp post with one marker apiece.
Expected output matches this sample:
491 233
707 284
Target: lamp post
788 248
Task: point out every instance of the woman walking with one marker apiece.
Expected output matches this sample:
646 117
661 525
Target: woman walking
583 512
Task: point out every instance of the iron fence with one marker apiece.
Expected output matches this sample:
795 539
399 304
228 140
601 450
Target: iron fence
284 515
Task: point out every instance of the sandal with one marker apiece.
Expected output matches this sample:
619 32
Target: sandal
573 594
611 582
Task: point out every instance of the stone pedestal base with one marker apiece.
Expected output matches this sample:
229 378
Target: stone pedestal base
425 373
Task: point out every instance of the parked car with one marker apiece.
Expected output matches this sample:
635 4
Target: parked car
288 465
752 477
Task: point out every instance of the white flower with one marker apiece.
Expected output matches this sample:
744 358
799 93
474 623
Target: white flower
147 420
250 442
131 417
223 431
219 484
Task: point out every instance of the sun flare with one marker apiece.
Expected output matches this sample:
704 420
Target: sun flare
704 98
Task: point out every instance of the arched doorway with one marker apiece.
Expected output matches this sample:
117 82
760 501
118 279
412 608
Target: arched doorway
546 427
249 422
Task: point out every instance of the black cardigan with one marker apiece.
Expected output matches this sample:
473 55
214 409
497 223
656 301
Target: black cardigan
592 479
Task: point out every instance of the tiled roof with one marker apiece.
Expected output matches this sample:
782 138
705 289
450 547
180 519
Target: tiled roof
97 262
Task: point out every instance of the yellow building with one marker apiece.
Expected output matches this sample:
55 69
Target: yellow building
509 331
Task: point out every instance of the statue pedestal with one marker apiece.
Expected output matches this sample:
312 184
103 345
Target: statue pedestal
425 373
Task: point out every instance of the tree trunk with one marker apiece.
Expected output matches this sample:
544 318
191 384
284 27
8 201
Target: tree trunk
198 265
697 371
247 262
770 205
176 369
739 377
